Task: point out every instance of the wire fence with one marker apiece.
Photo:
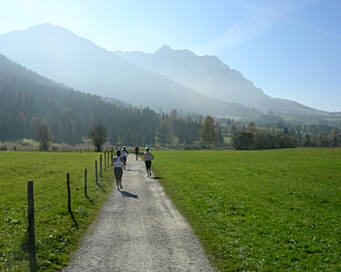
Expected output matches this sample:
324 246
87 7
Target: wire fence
34 198
11 146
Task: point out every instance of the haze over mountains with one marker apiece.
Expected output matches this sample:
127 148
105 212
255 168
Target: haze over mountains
166 79
212 78
28 99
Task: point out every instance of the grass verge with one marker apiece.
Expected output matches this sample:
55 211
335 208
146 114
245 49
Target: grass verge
57 231
274 210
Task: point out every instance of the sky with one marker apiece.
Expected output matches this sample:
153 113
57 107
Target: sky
290 49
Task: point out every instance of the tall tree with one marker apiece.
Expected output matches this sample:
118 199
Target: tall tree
334 137
307 141
98 136
242 140
208 131
220 137
251 127
44 136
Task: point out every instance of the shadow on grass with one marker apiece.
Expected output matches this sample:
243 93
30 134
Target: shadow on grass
101 187
90 200
127 194
74 220
28 252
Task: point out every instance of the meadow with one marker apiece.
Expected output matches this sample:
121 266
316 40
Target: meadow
57 231
273 210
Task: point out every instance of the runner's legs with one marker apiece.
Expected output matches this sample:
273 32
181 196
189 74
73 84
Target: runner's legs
124 162
148 167
118 176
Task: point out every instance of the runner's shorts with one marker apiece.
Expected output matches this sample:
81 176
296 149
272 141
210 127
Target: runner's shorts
148 164
118 173
124 159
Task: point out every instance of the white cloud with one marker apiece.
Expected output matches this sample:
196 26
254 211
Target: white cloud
257 19
289 6
243 30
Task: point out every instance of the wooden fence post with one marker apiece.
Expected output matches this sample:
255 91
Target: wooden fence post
100 165
30 229
105 160
85 182
111 155
96 172
109 161
68 192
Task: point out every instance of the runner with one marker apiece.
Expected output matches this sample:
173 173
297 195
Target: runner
118 172
137 152
148 161
124 155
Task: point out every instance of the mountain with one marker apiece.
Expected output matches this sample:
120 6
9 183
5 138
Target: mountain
212 78
60 55
26 99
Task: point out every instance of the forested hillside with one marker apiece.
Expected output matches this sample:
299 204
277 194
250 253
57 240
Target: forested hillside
62 56
26 99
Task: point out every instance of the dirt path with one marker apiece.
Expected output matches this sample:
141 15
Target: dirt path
139 229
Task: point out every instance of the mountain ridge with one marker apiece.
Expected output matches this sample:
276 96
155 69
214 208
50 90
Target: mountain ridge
58 54
213 78
65 57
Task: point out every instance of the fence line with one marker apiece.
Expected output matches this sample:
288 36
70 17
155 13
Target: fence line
48 190
31 245
96 174
68 192
30 229
100 165
85 182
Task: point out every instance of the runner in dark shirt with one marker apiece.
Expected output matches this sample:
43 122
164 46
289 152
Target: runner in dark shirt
148 161
137 152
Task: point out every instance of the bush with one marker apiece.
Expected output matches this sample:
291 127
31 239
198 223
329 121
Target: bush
242 140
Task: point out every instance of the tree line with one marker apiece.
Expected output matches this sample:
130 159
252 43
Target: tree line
28 103
32 106
292 136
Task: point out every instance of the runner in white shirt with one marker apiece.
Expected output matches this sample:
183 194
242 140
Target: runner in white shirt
148 161
118 172
124 155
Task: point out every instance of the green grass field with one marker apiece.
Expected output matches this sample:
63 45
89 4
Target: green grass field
57 234
274 210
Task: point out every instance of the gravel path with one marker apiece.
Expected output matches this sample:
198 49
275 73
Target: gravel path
139 229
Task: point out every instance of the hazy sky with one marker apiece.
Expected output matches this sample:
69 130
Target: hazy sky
289 48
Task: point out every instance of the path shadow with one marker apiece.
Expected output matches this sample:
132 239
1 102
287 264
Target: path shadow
127 194
101 187
74 220
157 177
